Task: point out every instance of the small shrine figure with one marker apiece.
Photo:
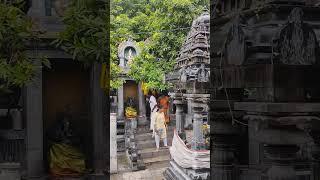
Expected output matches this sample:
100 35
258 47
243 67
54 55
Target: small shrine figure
130 56
203 74
183 75
65 157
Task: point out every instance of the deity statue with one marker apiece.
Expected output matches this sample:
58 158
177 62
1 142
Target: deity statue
183 75
193 73
129 55
202 74
65 156
60 6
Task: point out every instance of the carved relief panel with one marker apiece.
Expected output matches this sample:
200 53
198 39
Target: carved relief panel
297 42
56 7
235 47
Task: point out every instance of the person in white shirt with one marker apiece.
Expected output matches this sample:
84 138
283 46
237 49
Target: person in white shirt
153 107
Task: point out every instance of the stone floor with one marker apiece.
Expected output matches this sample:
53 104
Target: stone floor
148 174
124 172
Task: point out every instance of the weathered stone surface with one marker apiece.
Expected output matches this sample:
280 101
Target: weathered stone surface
113 144
268 50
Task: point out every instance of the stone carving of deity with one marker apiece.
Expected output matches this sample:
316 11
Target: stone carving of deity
129 55
235 48
183 75
193 73
203 74
297 43
60 6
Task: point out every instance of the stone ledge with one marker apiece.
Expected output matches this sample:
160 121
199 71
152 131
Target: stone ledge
265 107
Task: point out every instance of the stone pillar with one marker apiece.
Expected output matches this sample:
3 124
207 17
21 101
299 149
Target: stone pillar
120 102
142 107
179 113
315 153
99 127
198 140
281 136
189 115
223 145
34 127
198 106
316 162
113 143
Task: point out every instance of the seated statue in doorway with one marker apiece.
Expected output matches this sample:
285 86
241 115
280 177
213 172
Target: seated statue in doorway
131 111
65 157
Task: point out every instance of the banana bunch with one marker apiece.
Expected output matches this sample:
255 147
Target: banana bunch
131 112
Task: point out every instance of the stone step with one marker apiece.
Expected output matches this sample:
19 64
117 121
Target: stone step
151 143
148 136
152 153
157 162
120 131
143 130
158 165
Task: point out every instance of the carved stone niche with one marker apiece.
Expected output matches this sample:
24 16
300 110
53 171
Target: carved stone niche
127 50
235 47
60 6
291 74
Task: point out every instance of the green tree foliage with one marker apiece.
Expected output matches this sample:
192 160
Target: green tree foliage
163 23
16 68
86 32
86 35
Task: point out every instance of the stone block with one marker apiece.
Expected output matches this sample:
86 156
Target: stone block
10 172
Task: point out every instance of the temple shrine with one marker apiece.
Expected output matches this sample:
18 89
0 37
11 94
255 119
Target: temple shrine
190 153
130 93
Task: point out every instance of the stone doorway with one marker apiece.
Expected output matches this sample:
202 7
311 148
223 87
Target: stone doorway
131 91
66 84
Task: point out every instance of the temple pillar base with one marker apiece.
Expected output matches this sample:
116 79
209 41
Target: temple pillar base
142 120
281 157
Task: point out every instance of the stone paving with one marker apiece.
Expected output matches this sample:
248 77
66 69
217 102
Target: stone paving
148 174
124 172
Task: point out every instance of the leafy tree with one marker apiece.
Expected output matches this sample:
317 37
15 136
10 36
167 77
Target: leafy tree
86 35
16 31
163 23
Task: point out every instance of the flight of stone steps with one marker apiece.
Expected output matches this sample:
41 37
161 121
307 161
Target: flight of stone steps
147 148
120 135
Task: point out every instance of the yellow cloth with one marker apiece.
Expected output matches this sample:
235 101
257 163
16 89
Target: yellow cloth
104 78
66 160
159 124
144 88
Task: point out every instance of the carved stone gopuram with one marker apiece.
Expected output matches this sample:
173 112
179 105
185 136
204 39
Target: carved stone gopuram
191 97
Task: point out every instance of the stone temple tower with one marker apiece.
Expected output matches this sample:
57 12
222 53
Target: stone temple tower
190 96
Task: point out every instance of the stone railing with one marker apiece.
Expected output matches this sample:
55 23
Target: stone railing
12 148
133 156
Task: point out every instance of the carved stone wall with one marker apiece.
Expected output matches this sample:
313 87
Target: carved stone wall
269 50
